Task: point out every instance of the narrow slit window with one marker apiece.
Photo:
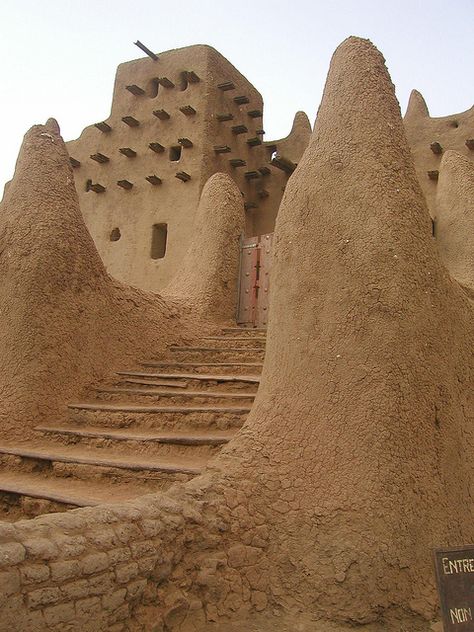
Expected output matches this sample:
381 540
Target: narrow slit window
175 153
159 237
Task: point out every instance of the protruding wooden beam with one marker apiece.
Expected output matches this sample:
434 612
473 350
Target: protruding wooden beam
252 175
250 205
187 110
154 180
185 142
183 176
436 148
127 151
224 117
265 171
136 90
161 114
263 193
99 158
103 127
470 144
130 121
74 163
253 142
125 184
156 147
433 175
237 162
255 113
191 76
227 85
222 149
260 132
165 82
146 50
285 164
97 188
241 100
239 129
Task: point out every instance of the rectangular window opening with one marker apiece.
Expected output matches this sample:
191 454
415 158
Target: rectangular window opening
158 241
175 153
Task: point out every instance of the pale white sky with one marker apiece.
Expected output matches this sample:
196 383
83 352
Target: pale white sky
59 56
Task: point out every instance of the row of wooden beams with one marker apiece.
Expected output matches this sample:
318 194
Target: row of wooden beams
127 185
188 110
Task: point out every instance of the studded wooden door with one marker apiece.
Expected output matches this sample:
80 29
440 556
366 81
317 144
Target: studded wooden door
254 286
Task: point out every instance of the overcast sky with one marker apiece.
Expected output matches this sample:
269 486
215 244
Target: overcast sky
59 56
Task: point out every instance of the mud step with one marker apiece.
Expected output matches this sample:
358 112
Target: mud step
253 379
232 339
218 349
175 438
65 491
199 366
191 384
156 392
142 382
97 459
244 331
134 408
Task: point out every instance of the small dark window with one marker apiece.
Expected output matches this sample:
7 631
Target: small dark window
158 241
152 88
433 228
115 234
88 185
175 153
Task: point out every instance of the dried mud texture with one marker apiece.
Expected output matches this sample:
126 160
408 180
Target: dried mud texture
207 278
64 321
449 132
454 219
356 457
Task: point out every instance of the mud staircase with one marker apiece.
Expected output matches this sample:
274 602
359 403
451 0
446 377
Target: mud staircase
138 432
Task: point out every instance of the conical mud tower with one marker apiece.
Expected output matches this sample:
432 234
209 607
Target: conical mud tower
454 220
356 458
64 321
207 278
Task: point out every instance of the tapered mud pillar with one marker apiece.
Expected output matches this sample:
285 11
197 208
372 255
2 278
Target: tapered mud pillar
454 221
356 458
208 277
64 321
417 107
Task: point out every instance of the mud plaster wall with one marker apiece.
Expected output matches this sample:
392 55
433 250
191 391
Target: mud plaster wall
174 203
451 132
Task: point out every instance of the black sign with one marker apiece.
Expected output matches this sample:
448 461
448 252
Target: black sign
455 578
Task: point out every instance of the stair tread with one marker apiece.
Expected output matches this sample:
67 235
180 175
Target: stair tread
195 376
236 339
218 349
164 363
222 436
172 393
244 329
103 457
135 408
68 491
